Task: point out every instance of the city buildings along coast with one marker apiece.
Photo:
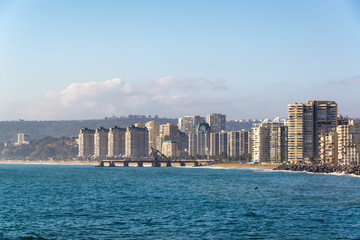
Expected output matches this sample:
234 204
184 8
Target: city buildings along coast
313 133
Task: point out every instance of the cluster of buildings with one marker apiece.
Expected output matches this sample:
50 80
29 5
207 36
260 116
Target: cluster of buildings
192 136
313 132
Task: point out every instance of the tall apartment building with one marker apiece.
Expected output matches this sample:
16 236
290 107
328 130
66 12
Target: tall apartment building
116 142
218 143
192 150
223 143
348 133
101 142
269 141
154 132
307 122
188 124
199 143
278 140
136 142
214 144
86 142
238 143
217 122
261 141
203 139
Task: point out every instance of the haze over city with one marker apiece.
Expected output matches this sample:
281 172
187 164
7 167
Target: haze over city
246 59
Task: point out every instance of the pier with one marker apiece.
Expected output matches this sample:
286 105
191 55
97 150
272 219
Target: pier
140 162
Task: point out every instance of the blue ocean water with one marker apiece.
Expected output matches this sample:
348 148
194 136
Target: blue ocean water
84 202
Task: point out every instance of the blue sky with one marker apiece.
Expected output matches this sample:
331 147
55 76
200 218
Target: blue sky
247 59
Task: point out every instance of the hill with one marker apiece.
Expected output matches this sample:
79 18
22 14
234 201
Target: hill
71 128
49 147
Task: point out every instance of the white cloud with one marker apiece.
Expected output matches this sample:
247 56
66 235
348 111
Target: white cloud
166 96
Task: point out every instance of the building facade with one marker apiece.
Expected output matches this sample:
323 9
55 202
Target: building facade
307 122
278 141
116 142
136 142
238 143
101 142
188 124
348 133
86 142
260 134
154 132
217 122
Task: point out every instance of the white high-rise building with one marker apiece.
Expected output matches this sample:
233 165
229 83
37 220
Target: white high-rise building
261 142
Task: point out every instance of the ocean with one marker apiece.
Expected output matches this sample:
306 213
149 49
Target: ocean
84 202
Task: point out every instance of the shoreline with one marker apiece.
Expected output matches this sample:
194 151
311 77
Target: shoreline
217 165
243 165
46 162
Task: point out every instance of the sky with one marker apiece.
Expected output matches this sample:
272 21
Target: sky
72 60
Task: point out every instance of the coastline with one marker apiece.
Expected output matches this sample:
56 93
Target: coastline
242 165
217 165
39 162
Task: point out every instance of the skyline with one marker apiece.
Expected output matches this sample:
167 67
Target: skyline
87 60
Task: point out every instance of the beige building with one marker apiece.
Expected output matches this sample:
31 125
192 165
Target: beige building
329 148
307 122
86 142
136 142
101 142
154 132
217 122
348 133
116 142
169 148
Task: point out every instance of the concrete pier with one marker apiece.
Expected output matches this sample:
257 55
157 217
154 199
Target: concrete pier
139 162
